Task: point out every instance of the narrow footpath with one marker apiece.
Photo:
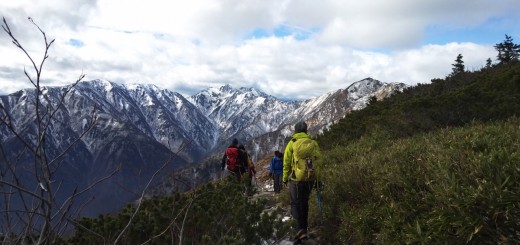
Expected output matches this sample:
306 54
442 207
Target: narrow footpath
265 190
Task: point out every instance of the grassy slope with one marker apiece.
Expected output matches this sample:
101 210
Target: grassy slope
450 186
436 163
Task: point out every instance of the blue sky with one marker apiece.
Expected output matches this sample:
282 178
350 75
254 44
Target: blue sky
287 48
283 31
76 42
492 31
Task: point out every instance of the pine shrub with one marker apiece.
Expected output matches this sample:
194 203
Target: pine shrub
216 213
452 186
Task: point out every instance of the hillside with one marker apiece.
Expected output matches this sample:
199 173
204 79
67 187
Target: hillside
436 163
452 186
487 95
432 164
110 139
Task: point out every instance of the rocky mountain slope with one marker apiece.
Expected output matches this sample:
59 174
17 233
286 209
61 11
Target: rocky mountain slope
318 112
139 128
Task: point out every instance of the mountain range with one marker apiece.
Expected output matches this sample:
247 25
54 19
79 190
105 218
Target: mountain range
136 130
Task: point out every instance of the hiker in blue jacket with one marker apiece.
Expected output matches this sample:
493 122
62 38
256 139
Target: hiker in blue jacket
276 171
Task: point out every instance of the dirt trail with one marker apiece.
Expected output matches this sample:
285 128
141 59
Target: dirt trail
265 191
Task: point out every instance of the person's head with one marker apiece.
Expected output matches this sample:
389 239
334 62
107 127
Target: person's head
242 147
276 153
234 142
300 127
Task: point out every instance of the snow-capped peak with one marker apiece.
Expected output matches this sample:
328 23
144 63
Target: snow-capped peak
138 124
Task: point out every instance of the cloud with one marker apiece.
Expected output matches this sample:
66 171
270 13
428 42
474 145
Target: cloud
288 48
435 61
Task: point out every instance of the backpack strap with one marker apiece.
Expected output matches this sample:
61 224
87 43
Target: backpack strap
293 173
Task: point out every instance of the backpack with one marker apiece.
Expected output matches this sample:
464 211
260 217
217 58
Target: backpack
304 157
250 165
232 159
249 162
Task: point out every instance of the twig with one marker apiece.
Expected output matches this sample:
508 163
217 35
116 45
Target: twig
141 198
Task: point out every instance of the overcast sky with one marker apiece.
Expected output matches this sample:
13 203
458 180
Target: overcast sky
287 48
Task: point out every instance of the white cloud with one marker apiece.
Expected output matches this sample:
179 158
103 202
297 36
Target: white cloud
187 46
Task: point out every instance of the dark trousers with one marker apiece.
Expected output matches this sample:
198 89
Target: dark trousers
299 193
238 174
277 182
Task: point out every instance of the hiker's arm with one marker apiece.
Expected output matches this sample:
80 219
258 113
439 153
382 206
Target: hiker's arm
224 158
242 156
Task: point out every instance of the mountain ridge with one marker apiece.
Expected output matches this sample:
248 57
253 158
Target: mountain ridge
140 126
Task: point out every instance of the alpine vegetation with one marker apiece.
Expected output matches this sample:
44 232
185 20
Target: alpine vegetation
93 162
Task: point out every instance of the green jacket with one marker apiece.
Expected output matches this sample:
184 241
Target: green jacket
289 165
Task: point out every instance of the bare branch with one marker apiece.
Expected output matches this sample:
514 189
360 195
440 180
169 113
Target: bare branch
141 198
184 210
90 126
23 190
96 183
17 44
41 208
78 224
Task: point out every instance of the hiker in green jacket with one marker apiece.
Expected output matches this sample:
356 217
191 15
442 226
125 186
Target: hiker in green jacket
301 168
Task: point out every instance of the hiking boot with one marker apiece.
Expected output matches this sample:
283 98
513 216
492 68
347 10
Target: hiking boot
300 236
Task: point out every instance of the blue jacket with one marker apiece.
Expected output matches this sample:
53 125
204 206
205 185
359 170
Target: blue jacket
276 166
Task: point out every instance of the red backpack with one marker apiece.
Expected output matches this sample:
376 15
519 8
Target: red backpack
232 158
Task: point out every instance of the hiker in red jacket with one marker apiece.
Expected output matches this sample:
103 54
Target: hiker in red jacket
234 159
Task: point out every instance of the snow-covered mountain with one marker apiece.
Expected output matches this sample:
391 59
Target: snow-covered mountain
140 127
243 113
264 124
247 113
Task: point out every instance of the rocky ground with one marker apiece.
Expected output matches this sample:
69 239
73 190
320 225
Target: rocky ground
276 203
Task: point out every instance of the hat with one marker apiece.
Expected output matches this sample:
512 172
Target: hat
234 142
300 127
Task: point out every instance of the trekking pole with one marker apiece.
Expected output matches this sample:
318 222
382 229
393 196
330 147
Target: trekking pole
320 205
256 181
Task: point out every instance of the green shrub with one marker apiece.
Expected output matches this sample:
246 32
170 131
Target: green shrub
452 186
213 214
